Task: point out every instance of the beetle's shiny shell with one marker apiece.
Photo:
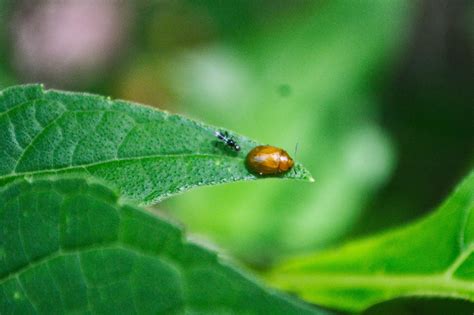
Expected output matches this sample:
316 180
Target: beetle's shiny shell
268 160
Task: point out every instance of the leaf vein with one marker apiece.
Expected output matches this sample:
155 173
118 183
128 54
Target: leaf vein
106 162
35 138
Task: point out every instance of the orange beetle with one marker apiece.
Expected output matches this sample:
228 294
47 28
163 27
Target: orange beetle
268 160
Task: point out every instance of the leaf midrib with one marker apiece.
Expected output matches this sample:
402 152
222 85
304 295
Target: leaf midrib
105 162
437 284
441 281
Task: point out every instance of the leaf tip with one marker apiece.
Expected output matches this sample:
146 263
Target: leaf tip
300 172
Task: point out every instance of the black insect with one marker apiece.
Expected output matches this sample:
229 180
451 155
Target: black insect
228 140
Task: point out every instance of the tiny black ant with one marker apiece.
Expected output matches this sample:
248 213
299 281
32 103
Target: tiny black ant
228 140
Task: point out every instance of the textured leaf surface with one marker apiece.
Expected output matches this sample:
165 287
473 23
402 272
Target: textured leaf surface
69 245
433 257
148 154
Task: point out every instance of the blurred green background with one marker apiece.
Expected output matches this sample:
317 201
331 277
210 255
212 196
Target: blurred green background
377 95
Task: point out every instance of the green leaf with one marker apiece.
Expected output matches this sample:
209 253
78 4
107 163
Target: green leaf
433 257
148 154
72 245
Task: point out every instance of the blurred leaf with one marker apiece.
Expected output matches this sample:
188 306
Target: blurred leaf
433 257
148 154
309 79
73 246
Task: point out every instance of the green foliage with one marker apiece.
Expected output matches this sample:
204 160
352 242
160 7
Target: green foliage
74 246
433 257
328 76
148 154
